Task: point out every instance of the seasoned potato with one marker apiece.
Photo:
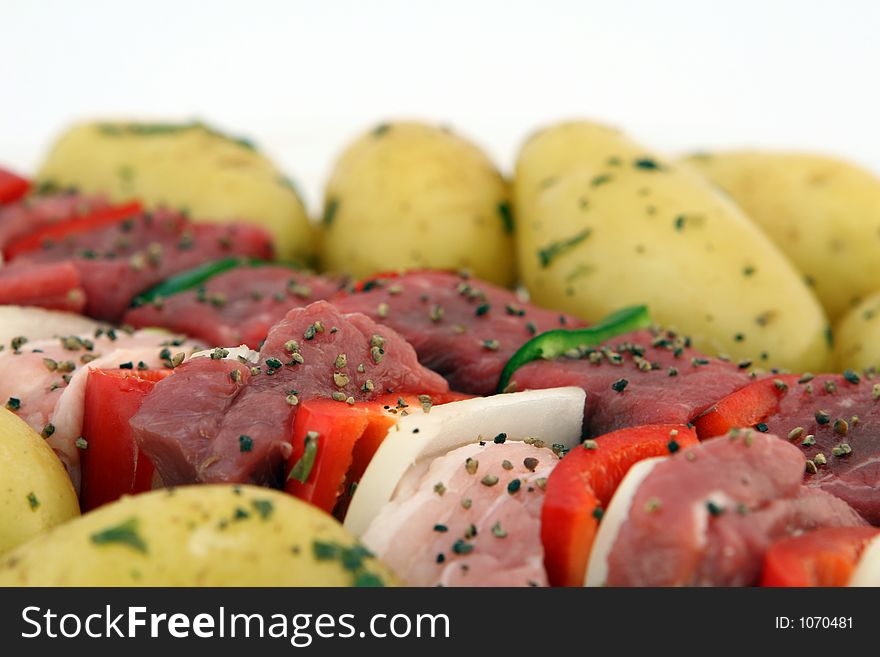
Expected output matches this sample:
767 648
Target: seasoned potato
823 213
35 491
189 166
217 535
857 336
408 195
605 223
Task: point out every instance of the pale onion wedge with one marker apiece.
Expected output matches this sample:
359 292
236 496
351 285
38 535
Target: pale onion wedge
614 516
867 572
554 416
41 324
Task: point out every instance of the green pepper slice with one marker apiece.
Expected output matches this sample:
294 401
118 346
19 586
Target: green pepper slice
198 275
555 343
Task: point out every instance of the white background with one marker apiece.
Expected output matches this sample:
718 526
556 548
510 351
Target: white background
303 77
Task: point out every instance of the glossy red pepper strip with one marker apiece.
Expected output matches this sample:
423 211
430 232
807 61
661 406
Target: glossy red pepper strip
12 187
581 487
112 464
744 408
73 226
824 557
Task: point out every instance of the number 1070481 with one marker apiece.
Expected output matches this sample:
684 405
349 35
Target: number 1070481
814 622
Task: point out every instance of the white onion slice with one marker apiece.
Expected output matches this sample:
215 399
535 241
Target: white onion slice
42 324
614 517
867 572
554 415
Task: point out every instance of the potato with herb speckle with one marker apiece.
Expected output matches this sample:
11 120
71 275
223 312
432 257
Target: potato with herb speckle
207 535
35 491
189 166
822 212
857 336
605 223
410 196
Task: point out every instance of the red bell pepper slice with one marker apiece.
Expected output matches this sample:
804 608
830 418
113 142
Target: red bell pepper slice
824 557
73 226
338 428
367 283
582 485
744 408
348 437
112 464
12 186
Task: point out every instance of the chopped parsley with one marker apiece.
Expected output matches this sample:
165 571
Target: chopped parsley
154 129
125 533
330 211
368 580
647 164
506 215
264 508
549 253
351 558
303 467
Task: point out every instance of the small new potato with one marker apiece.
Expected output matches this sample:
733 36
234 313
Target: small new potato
35 491
208 535
822 213
189 166
409 195
857 336
605 223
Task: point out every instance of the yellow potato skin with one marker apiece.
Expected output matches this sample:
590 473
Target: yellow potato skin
209 535
857 336
821 212
604 223
215 178
409 195
35 491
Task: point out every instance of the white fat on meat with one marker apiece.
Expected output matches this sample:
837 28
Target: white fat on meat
241 353
456 520
48 379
